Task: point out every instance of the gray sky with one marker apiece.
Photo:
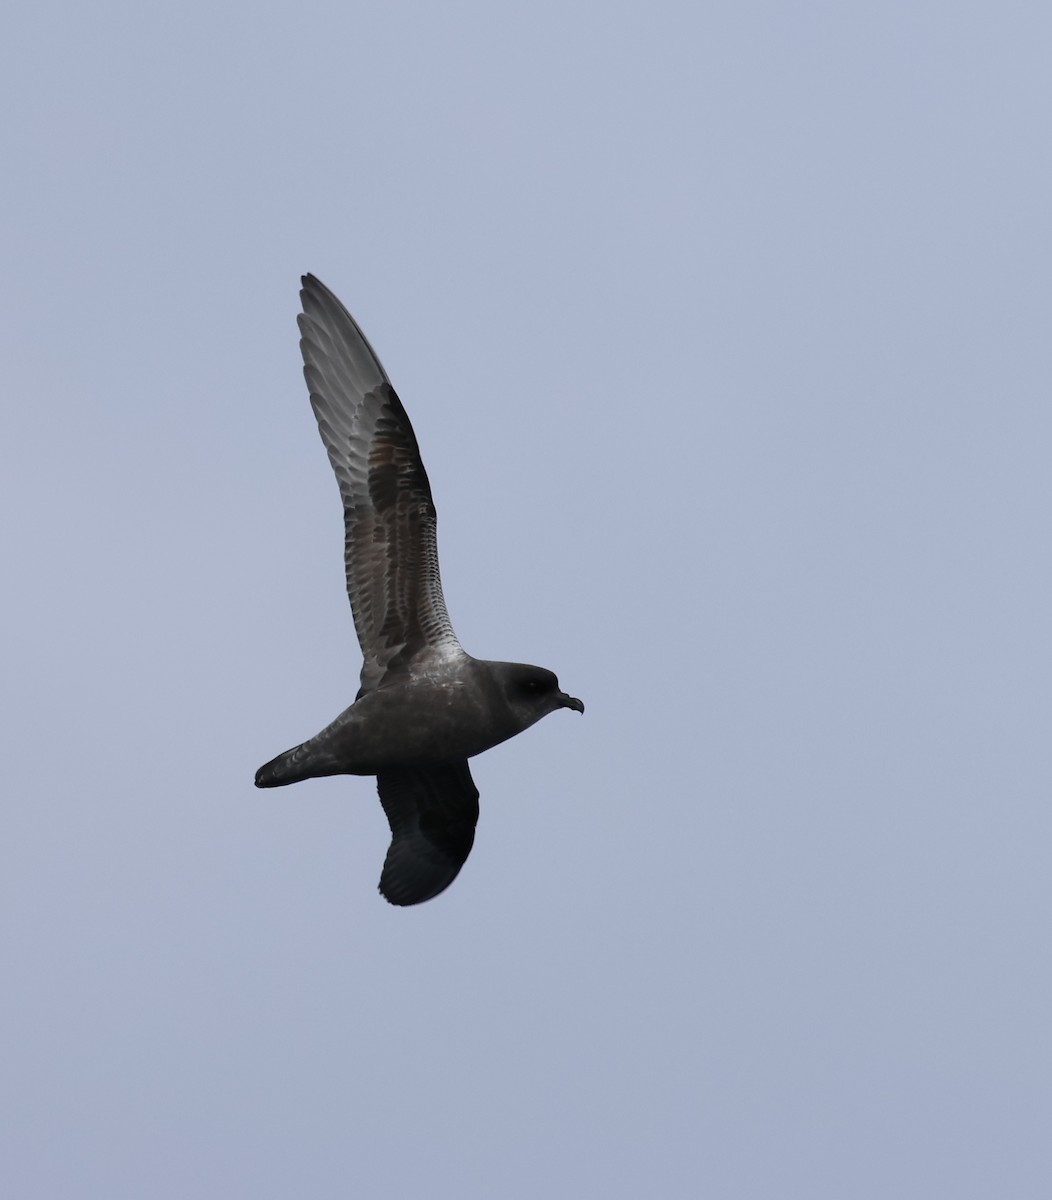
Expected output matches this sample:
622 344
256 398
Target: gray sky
725 333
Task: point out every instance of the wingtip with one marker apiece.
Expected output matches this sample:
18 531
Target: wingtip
311 284
404 885
334 341
399 901
400 896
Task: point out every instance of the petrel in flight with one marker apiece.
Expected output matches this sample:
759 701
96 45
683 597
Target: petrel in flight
425 706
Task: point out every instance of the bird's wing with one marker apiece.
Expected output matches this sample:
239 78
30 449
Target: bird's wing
391 549
432 812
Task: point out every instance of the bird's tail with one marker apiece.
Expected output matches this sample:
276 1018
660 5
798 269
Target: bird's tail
290 767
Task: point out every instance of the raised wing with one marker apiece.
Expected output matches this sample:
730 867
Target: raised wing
391 549
432 812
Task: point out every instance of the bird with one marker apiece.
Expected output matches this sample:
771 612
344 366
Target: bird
424 705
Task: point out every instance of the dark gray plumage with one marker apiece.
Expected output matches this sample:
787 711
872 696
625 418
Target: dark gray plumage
424 706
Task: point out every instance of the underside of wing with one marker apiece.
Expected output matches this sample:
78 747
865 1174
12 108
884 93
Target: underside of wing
391 546
432 812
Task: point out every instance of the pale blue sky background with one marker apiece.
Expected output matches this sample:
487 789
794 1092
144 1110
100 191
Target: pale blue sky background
725 332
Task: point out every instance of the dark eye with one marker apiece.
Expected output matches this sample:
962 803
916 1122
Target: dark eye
535 687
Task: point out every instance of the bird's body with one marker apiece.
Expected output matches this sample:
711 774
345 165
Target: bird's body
424 706
453 711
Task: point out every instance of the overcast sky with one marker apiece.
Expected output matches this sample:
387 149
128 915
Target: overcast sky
724 329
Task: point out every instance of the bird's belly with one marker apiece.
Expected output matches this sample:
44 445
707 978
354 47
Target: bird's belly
414 724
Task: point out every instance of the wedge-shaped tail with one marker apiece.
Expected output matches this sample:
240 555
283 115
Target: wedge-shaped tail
299 763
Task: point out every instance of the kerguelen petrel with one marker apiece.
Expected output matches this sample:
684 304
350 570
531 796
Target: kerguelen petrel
424 706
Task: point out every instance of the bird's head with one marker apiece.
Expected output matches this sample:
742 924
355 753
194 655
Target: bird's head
533 692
